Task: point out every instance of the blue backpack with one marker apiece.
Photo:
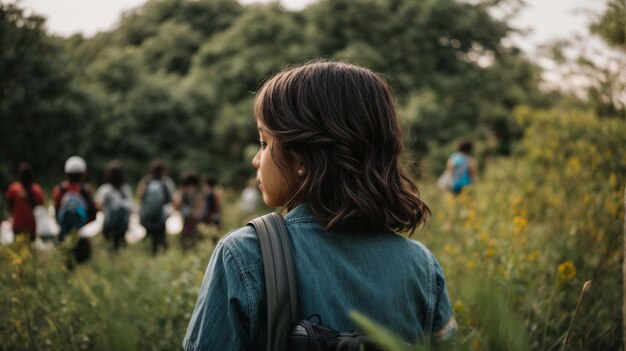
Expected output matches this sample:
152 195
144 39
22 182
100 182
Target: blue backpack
460 174
73 213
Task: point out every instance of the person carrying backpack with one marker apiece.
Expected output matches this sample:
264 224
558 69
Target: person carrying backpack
73 198
22 196
330 156
155 192
461 167
115 199
188 200
212 202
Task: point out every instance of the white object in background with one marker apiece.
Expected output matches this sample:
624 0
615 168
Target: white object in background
43 245
46 226
249 199
6 232
92 228
135 230
445 180
174 223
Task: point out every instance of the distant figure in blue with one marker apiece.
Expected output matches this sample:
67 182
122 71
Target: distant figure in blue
462 167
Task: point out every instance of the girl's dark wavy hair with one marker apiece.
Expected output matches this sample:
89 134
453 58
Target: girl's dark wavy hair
340 122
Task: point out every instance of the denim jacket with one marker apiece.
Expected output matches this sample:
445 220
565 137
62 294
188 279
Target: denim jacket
394 281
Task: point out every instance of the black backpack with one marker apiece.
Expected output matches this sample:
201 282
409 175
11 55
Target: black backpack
116 216
155 197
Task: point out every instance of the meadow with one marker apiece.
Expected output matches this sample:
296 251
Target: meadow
518 249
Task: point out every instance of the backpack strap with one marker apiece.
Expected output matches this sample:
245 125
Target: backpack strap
91 206
280 279
166 191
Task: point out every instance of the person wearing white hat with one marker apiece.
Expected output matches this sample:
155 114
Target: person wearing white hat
73 198
74 165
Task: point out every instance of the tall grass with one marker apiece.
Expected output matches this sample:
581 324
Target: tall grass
516 249
535 228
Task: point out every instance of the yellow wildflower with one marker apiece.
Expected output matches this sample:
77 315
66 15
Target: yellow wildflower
555 201
516 200
567 271
471 264
574 164
519 224
490 252
16 260
458 307
447 248
483 238
475 344
25 252
533 256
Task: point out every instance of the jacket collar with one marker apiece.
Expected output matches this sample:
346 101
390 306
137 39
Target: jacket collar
301 212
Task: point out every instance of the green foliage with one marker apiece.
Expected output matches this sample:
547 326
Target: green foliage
172 48
538 226
383 337
516 249
40 108
175 78
611 26
126 302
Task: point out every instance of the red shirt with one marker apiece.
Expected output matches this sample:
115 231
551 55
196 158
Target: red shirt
23 219
57 194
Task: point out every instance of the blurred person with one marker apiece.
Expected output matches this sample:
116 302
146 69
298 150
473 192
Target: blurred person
189 201
114 198
22 196
462 167
155 192
73 198
212 202
250 197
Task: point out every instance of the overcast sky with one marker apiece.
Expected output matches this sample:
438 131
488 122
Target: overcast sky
546 19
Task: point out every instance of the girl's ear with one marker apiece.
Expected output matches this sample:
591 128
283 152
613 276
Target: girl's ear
297 167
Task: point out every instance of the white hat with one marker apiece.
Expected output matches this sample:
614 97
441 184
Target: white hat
75 164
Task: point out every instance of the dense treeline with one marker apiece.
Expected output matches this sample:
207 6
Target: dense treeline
175 78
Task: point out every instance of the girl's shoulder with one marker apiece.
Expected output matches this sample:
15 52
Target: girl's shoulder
243 244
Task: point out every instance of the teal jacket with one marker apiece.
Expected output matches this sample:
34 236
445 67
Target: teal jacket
392 280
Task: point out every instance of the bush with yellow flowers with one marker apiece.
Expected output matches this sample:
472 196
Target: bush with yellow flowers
533 229
129 301
124 301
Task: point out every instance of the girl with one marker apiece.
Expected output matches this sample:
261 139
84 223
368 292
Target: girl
22 197
329 155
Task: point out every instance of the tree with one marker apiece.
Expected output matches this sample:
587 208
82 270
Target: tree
41 112
446 59
608 93
611 26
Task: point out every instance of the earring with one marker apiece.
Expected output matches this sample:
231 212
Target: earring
300 172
